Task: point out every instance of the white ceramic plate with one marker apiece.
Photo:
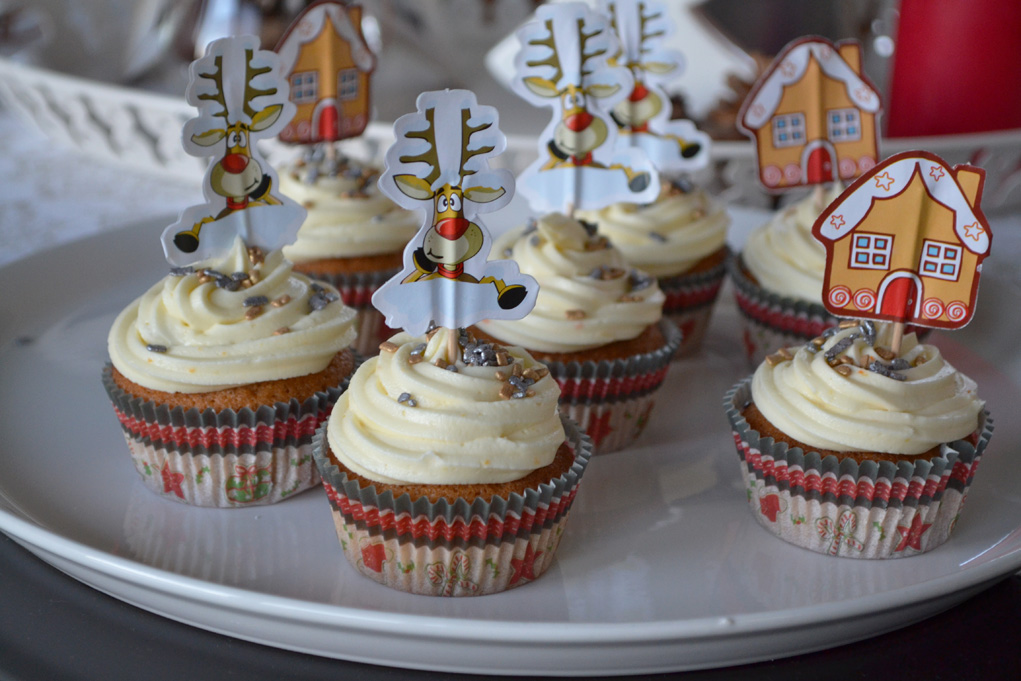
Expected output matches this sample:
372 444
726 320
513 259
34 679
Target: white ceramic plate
663 568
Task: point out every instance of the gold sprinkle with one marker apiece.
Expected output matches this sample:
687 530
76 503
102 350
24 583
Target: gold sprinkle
818 341
204 278
506 390
885 353
295 176
387 346
432 332
843 370
282 330
246 283
441 363
415 358
785 353
253 312
697 214
501 375
865 361
502 358
844 359
575 314
529 393
255 255
848 323
281 301
530 373
541 372
308 203
611 273
255 276
773 360
630 298
597 244
345 195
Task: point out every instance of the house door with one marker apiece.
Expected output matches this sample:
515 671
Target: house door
900 298
819 166
328 123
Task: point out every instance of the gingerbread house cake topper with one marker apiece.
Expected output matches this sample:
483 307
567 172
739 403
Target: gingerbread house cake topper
564 64
439 165
812 115
905 243
643 117
241 96
329 67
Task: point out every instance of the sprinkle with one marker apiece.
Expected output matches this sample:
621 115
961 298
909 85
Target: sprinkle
227 283
255 276
441 363
378 218
282 330
239 276
575 314
508 252
281 301
531 374
832 331
638 280
516 369
840 346
773 360
656 236
818 341
506 391
255 255
868 330
501 375
847 324
478 353
502 357
529 393
785 353
251 301
531 226
387 346
308 203
407 400
697 214
318 301
253 312
811 347
630 298
540 372
843 369
884 370
181 271
598 243
900 364
154 347
844 359
451 367
535 241
884 353
589 226
432 331
204 278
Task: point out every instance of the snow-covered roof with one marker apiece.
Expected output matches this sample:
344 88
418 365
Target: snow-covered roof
309 25
788 68
892 177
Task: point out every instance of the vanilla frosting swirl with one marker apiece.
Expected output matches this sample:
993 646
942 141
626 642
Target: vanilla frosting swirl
588 295
667 237
189 335
784 256
810 401
406 420
347 216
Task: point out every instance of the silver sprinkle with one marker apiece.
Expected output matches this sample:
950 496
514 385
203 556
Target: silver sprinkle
182 271
252 301
841 345
656 236
884 370
153 347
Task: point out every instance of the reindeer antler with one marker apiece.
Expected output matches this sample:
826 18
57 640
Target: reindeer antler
584 38
552 60
217 77
251 92
466 132
643 20
430 155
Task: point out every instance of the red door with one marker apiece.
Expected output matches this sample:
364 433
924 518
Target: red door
900 298
820 166
328 129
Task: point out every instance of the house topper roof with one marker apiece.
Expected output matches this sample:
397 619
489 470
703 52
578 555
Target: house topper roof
788 68
892 177
310 24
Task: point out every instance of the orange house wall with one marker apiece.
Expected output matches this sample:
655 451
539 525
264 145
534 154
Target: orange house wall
310 59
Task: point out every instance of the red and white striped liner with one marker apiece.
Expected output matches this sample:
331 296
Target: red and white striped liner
689 303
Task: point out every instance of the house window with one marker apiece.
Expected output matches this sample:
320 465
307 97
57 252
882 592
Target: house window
843 125
940 260
871 251
304 87
789 130
347 84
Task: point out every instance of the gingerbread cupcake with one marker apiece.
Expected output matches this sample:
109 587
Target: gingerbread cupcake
597 324
221 373
450 475
851 450
353 236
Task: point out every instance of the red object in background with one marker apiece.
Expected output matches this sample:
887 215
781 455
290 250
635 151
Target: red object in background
956 68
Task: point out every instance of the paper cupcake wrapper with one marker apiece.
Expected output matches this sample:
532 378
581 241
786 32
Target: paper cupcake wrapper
470 547
875 509
356 291
226 458
611 400
689 303
772 321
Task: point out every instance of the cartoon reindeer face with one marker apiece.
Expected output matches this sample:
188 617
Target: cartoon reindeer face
237 175
640 25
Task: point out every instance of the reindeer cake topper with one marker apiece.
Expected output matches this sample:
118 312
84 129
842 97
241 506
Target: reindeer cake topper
240 97
563 64
440 166
905 243
812 115
643 117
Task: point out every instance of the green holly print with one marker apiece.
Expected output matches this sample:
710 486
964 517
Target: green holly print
202 472
250 484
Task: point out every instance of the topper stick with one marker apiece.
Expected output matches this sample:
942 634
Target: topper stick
898 336
818 197
452 346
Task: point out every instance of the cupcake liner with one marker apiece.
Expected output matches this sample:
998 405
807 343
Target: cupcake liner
226 458
356 291
465 548
875 509
611 399
689 303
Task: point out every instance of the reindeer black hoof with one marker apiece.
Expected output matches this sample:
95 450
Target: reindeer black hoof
422 262
511 297
639 182
186 241
690 150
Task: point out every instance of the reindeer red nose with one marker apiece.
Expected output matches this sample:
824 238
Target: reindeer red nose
639 93
579 121
452 228
234 163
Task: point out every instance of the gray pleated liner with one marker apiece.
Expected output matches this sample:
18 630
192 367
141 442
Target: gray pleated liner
875 509
611 399
470 547
689 303
226 458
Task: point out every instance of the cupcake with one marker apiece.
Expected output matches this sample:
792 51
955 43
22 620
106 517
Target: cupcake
353 236
778 278
849 450
450 478
597 324
681 240
221 373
